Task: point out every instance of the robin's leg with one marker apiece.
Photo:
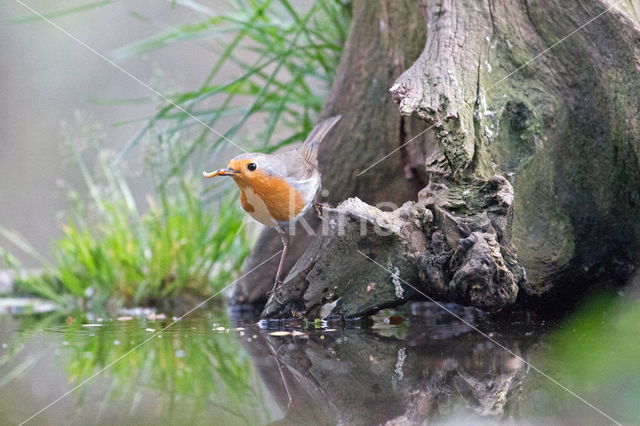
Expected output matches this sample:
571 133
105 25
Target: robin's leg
285 243
319 207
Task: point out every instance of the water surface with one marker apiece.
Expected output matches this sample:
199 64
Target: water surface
431 367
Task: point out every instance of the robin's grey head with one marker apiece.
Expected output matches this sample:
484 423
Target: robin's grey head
251 166
250 163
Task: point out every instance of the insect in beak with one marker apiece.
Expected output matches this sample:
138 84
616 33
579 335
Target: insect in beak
220 172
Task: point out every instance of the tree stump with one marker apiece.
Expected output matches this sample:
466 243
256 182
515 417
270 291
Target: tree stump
529 162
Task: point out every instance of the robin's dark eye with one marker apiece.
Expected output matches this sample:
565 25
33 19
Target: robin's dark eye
252 166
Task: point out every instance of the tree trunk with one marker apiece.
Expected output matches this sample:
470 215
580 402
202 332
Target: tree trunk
525 185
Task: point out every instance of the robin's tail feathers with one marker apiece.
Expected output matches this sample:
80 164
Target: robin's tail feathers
309 148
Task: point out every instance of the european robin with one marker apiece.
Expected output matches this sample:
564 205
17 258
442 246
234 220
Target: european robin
277 189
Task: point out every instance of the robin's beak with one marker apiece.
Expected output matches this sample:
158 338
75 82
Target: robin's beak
220 172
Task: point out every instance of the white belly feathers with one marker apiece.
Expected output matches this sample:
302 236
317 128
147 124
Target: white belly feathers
260 211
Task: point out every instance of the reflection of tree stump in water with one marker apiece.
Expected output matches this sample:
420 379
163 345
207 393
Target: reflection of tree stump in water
361 377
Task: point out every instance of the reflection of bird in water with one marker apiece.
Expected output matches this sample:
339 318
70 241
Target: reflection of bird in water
277 189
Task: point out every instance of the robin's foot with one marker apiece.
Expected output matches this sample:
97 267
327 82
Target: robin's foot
276 286
319 207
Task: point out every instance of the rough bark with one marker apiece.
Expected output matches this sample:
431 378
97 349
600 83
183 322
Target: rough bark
450 245
563 128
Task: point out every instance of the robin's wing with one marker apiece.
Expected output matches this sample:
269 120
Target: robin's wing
309 149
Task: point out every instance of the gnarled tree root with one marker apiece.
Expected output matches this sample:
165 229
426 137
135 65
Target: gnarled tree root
451 245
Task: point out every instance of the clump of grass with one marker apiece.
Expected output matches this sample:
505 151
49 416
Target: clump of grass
113 253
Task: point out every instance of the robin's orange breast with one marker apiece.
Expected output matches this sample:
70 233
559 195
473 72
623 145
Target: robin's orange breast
268 199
